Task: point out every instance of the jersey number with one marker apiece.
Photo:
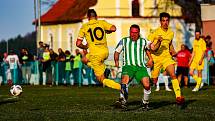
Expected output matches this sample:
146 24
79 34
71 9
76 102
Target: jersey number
93 33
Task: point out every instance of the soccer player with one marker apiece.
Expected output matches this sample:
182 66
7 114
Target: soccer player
134 48
161 53
95 33
197 59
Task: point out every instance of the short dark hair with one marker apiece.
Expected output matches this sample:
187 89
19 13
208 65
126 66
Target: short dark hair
135 26
40 42
198 31
164 14
208 37
91 13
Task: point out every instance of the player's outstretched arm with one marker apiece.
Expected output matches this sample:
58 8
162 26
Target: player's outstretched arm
112 29
80 44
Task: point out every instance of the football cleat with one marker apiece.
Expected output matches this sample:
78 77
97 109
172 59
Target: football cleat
121 103
145 105
202 84
157 89
180 100
168 89
195 89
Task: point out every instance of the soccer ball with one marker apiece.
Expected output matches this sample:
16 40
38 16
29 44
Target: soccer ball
16 90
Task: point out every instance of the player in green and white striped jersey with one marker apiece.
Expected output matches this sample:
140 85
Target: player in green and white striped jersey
134 49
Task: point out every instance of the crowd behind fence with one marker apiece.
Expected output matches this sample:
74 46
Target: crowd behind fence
31 73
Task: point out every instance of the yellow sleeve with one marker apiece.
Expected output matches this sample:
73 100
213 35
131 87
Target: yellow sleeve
81 32
204 45
106 25
151 37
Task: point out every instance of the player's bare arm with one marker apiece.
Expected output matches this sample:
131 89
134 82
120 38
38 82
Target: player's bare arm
149 64
191 59
154 47
112 29
116 58
80 44
202 58
172 49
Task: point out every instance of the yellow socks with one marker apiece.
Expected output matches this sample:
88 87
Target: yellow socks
176 87
198 82
195 77
111 84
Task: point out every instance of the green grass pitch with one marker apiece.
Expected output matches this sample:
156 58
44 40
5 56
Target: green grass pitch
60 103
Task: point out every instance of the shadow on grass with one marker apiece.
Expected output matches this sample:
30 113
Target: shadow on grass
8 100
137 105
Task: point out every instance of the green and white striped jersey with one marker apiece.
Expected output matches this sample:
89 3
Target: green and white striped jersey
133 51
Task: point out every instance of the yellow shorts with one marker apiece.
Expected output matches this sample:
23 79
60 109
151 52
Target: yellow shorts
96 62
161 64
195 65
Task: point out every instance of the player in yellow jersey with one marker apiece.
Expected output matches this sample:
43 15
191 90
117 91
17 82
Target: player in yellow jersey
197 59
95 33
162 39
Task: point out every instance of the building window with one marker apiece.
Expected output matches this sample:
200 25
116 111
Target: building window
135 8
71 41
51 41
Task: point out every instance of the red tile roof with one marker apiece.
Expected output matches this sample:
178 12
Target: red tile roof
67 11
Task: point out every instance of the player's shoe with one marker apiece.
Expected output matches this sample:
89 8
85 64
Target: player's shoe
168 89
195 89
107 72
180 100
157 89
145 105
202 84
121 103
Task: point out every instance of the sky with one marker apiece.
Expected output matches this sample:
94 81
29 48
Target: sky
16 18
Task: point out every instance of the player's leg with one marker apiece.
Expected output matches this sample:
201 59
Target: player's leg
166 81
171 71
146 92
157 84
143 76
155 72
185 75
124 87
193 67
199 79
99 67
185 81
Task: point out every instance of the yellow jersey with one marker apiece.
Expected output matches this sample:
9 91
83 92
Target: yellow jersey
94 32
163 50
199 47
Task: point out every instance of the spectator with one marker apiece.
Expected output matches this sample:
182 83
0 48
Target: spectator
61 66
53 57
40 51
183 57
77 67
25 60
13 61
46 66
5 68
68 67
211 62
